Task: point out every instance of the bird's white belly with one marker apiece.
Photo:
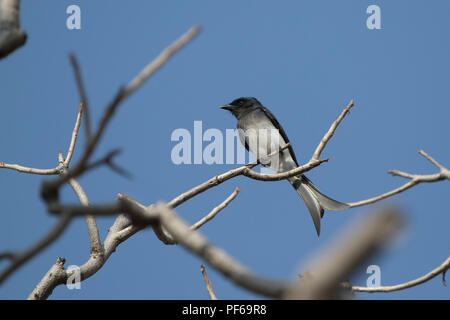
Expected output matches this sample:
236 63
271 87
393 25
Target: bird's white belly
264 141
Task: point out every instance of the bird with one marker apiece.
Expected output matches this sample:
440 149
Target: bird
262 135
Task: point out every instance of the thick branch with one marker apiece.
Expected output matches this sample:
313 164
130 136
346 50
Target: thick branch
355 244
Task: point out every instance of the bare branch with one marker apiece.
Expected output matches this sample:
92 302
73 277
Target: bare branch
7 255
83 96
415 179
74 136
20 258
368 240
54 277
429 158
94 238
433 273
197 244
215 211
158 229
49 188
161 60
61 165
331 131
355 244
28 169
208 283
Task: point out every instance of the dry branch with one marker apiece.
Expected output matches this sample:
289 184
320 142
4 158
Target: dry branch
208 283
415 179
170 229
430 275
355 244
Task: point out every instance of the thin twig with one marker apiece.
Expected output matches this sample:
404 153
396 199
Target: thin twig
331 131
58 168
74 136
83 96
433 273
28 169
215 211
208 283
415 179
160 60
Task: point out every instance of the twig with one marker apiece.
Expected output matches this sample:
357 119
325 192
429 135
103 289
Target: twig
61 165
83 96
415 179
74 136
208 283
331 131
28 169
439 270
160 60
215 211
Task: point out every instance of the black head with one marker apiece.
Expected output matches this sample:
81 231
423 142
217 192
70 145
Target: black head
242 105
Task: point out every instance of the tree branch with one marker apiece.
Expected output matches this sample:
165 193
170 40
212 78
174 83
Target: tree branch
415 179
18 259
433 273
83 96
331 131
50 188
215 211
208 283
61 165
355 244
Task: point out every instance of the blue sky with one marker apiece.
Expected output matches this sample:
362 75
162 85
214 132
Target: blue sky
304 60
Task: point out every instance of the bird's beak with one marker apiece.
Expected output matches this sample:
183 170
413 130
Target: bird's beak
227 107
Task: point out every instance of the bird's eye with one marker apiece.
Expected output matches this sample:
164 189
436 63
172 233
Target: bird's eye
240 102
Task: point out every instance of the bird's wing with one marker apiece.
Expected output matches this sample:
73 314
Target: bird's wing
277 125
